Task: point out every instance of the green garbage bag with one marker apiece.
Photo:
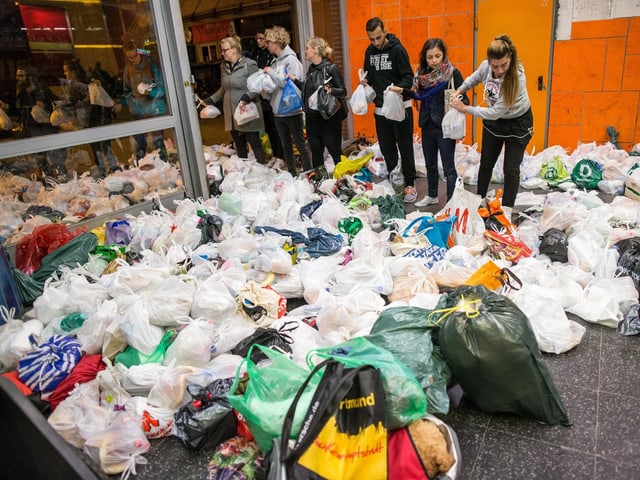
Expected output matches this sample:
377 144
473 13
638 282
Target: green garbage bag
271 388
130 356
28 288
405 332
491 349
586 174
75 251
405 401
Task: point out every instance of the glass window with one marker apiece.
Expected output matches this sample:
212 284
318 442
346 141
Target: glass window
63 58
86 124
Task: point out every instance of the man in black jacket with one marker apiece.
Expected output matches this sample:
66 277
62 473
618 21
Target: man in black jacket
386 61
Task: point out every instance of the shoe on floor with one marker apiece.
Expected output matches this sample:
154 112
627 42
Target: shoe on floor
410 194
427 200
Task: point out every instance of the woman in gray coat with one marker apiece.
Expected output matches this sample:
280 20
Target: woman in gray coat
236 68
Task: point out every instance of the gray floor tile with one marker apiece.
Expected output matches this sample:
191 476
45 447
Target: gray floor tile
618 435
607 469
581 405
619 366
506 456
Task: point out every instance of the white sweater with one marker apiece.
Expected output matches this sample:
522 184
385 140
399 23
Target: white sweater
497 108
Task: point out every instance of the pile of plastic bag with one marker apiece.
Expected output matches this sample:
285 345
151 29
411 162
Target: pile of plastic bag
299 266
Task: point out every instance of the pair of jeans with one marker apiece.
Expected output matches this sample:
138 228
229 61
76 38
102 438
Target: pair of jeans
432 143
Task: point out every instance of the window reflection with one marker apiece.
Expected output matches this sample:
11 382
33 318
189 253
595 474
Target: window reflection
80 65
70 65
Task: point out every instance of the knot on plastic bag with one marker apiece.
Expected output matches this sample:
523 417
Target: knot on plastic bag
468 307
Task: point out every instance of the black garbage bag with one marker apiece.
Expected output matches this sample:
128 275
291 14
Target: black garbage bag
279 340
555 245
208 419
491 349
630 324
405 332
211 226
629 259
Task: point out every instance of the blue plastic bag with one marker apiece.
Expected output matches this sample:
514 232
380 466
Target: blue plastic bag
291 101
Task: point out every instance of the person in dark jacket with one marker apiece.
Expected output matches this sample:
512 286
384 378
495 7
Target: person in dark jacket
387 62
435 75
322 133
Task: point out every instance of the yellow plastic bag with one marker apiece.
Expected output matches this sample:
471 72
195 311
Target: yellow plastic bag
349 166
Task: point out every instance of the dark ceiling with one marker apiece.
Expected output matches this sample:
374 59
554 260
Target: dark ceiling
199 11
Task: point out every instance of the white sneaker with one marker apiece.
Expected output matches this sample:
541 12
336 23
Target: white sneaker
427 200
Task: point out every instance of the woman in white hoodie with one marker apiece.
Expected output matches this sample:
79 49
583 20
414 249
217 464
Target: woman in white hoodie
507 119
289 125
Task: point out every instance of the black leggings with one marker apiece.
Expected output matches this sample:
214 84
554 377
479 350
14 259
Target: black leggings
514 134
317 144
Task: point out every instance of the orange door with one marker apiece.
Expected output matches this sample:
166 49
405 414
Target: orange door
529 23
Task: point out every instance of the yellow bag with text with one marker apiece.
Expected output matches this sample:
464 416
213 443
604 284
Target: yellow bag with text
343 434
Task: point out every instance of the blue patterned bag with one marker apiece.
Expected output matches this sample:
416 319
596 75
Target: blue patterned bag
49 363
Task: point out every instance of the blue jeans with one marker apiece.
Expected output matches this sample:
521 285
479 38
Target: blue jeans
432 142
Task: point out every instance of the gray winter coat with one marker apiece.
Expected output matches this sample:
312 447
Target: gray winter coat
233 86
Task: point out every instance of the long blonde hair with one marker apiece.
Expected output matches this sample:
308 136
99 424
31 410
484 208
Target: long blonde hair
500 47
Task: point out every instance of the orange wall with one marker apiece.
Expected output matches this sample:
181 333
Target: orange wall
596 83
596 74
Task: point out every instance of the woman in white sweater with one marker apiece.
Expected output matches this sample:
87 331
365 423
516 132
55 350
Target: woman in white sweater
507 119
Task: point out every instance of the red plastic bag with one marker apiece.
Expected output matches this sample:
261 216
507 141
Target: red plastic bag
505 245
45 239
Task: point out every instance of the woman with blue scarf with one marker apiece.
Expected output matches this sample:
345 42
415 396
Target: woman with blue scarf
435 75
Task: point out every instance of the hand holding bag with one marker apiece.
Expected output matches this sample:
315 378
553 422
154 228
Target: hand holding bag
328 105
291 100
448 94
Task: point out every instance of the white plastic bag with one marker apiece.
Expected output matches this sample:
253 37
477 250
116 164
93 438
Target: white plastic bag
99 96
454 125
210 111
245 112
119 447
393 106
313 99
362 96
255 81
